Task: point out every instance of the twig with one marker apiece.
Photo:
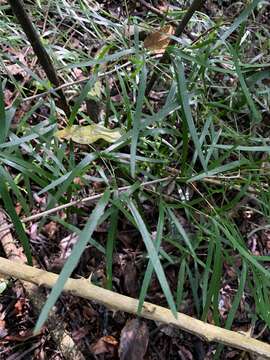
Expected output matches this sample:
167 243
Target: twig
81 201
19 11
83 288
72 83
252 191
155 10
196 5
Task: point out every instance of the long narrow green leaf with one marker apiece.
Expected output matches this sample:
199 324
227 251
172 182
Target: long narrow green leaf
238 21
213 291
202 137
184 99
166 110
55 183
137 120
194 287
27 138
150 268
233 236
207 272
73 259
183 233
153 255
234 307
220 169
263 148
90 83
67 181
180 282
3 119
5 175
15 219
256 114
105 59
110 247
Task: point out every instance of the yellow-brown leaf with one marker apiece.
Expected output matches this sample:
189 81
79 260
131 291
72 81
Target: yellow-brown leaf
159 40
88 134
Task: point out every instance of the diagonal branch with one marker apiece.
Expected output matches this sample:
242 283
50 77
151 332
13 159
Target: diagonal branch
196 5
19 11
83 288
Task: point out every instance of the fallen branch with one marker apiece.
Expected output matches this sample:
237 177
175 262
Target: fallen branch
83 288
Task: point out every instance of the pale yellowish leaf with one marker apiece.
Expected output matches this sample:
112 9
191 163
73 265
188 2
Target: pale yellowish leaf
159 40
96 90
89 134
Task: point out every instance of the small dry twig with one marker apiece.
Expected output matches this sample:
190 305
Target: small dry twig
81 201
155 10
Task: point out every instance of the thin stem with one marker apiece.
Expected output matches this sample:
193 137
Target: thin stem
80 201
196 5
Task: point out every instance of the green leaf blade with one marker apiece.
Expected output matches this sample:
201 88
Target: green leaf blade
73 259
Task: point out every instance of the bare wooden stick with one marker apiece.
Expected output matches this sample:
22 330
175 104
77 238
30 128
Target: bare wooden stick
196 5
251 191
155 10
83 288
19 11
81 201
72 83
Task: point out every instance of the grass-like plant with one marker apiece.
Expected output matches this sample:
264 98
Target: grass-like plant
207 132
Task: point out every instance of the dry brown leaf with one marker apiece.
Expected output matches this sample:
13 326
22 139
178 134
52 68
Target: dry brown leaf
159 40
134 340
50 229
106 344
130 277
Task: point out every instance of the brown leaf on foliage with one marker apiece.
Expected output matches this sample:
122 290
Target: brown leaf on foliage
106 344
134 340
159 40
8 97
18 208
50 229
78 181
15 69
3 330
20 306
130 277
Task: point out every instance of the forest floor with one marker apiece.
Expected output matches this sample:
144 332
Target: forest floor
202 134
